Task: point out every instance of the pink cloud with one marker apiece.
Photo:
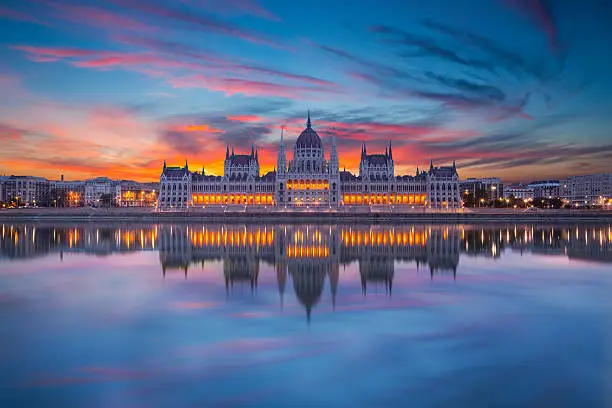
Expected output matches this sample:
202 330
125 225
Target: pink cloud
57 53
97 17
233 7
541 14
194 20
234 86
246 118
8 132
17 15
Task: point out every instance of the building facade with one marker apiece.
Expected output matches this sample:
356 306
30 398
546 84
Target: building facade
545 188
96 189
519 191
311 179
134 194
588 190
490 188
24 190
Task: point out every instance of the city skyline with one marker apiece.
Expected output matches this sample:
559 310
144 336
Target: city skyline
510 88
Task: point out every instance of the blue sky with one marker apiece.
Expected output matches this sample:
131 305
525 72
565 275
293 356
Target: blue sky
514 88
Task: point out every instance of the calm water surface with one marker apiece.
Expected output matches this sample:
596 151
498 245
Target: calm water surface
196 315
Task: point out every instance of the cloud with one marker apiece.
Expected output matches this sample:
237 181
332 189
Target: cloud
17 15
191 135
425 47
170 69
97 17
486 91
8 132
215 61
238 7
233 86
190 18
510 61
541 13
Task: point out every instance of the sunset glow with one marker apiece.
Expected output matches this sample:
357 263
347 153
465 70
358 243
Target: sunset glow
515 89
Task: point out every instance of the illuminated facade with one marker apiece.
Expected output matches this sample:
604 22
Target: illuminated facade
311 179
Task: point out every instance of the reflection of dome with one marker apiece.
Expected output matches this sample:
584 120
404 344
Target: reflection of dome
308 138
308 283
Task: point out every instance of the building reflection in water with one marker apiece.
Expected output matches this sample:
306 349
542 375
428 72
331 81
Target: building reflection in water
310 255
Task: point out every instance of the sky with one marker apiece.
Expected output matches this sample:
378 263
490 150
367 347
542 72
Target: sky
518 89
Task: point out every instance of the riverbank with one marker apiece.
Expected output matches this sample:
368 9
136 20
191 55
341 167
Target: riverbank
149 215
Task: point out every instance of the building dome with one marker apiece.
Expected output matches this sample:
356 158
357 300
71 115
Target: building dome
308 138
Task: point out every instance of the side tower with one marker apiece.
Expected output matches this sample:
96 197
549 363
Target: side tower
443 187
174 188
281 173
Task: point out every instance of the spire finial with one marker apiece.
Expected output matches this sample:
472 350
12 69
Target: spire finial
164 164
226 152
186 165
308 124
390 151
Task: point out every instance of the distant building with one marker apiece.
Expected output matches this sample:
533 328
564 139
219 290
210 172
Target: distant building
134 194
593 189
519 191
3 180
74 192
24 190
545 188
309 180
96 189
492 187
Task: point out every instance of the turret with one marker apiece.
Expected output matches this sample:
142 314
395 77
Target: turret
281 160
333 157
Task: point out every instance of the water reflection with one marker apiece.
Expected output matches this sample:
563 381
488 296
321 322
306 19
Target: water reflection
310 255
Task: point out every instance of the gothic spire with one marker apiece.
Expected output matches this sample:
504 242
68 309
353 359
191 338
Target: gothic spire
226 152
164 165
232 152
186 166
390 151
257 154
308 124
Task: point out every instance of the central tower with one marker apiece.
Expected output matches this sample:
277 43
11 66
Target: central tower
309 179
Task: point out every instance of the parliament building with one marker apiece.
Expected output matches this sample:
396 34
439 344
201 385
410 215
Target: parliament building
311 179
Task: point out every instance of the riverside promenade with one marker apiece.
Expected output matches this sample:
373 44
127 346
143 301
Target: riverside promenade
343 215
